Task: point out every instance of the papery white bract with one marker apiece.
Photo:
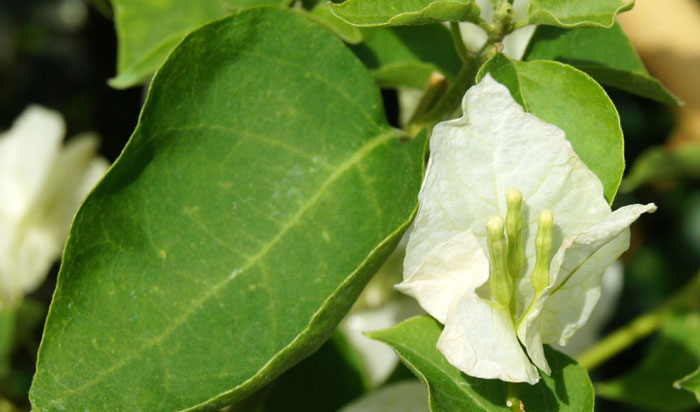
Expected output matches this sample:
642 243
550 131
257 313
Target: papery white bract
41 186
474 160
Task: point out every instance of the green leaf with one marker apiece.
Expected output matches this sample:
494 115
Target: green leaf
375 13
7 333
568 389
148 30
664 164
690 383
407 56
260 191
576 13
570 99
348 33
650 386
605 54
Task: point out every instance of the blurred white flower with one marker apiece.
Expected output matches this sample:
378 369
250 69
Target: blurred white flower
511 238
42 184
380 307
404 396
589 334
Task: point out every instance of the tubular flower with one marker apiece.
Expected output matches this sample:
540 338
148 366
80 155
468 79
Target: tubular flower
511 239
41 186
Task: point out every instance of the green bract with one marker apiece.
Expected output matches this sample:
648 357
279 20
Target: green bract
504 193
373 13
259 192
568 389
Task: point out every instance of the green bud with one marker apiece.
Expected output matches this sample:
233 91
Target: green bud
543 250
499 280
514 232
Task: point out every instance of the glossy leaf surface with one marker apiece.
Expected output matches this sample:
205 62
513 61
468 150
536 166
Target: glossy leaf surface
260 191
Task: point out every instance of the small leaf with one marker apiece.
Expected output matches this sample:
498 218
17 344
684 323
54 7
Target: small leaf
576 13
348 33
567 389
407 56
691 383
260 191
605 54
148 30
570 99
650 386
375 13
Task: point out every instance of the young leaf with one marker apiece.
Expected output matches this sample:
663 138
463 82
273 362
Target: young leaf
407 56
605 54
567 389
674 355
260 191
348 33
375 13
576 13
691 383
148 30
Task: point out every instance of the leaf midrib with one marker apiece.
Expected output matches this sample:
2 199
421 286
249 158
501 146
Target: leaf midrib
344 167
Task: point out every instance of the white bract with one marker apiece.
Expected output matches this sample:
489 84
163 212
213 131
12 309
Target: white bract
41 186
511 237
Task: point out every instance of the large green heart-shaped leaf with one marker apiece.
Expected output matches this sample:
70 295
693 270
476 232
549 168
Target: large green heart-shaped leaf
567 389
260 191
577 13
406 56
147 30
570 99
374 13
675 354
605 54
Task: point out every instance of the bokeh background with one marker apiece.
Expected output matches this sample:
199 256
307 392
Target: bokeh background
60 53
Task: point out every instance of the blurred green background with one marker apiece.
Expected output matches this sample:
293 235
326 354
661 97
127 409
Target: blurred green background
60 53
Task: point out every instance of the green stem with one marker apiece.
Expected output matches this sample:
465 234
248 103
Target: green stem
644 325
456 33
512 400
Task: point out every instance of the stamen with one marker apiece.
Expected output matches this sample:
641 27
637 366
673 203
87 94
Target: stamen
514 232
500 282
543 248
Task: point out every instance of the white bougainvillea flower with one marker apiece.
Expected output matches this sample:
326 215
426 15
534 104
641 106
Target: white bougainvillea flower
511 237
41 186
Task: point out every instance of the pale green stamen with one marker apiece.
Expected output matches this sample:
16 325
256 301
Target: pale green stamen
543 247
499 280
507 255
514 232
